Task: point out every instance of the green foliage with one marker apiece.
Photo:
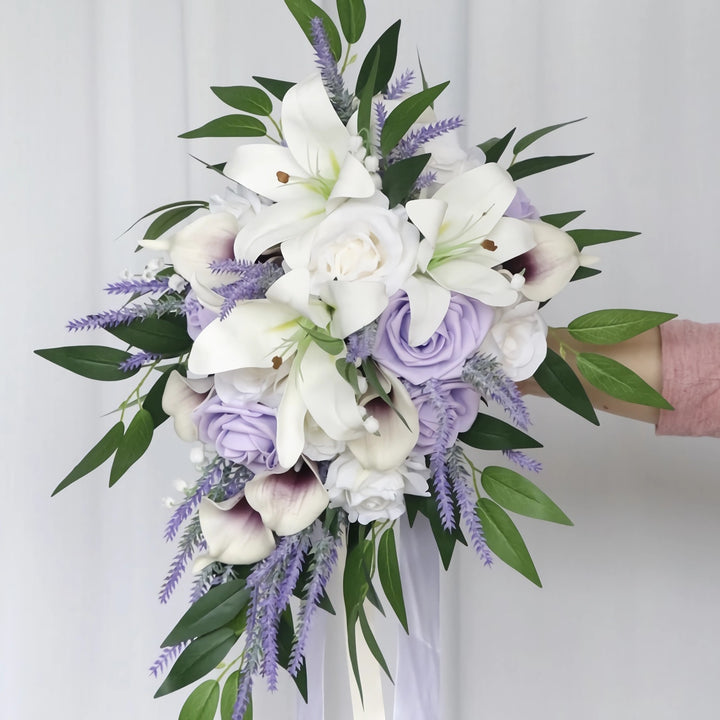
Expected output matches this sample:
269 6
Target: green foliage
524 142
584 238
490 433
444 539
389 572
605 327
400 177
583 273
559 381
96 362
386 48
372 643
153 400
352 19
176 205
535 165
133 445
229 695
246 98
169 219
304 11
286 636
495 147
278 88
202 702
365 98
560 220
165 335
229 126
518 494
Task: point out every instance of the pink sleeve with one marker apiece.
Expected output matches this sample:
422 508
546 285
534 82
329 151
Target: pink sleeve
691 379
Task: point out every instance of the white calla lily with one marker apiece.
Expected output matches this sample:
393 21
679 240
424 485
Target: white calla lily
180 397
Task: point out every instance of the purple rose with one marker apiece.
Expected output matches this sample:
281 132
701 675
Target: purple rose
243 433
198 317
456 398
521 208
459 335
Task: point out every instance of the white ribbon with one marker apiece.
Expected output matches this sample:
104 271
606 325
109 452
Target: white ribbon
417 677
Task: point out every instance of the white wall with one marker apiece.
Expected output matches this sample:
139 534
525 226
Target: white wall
94 93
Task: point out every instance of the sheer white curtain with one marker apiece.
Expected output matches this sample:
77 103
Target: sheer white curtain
94 93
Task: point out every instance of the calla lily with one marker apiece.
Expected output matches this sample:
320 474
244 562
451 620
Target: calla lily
180 397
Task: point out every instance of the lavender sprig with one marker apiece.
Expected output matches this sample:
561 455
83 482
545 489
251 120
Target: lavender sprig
425 180
190 543
138 360
168 655
253 283
380 118
331 77
414 140
170 304
137 285
360 344
522 460
400 86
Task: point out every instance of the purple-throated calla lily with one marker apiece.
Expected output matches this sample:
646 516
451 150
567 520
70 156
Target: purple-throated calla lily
180 397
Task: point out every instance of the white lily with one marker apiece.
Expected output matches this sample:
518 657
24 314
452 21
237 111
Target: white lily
316 170
180 397
465 238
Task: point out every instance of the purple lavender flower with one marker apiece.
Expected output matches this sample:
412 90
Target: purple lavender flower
412 143
400 86
138 360
137 285
442 357
332 79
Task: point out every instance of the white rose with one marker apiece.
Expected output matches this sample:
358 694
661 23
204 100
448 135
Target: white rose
252 384
518 340
240 202
449 159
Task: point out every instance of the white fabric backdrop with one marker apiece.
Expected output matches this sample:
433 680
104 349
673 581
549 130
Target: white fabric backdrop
94 93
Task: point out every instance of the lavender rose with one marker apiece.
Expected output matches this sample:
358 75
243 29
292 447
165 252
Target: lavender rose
243 433
197 316
466 323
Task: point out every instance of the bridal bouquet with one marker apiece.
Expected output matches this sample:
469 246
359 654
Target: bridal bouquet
333 336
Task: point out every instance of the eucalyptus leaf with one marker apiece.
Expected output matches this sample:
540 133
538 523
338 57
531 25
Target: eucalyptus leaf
518 494
229 126
560 220
401 119
278 88
373 644
202 702
96 362
352 19
199 658
246 98
304 11
400 177
559 381
229 695
605 327
583 273
525 142
535 165
490 433
219 606
619 381
388 569
133 445
365 103
386 46
166 335
97 455
504 539
169 219
584 237
495 147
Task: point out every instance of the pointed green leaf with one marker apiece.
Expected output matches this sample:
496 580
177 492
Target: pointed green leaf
444 539
153 400
217 167
325 341
620 382
166 335
495 147
525 142
229 126
399 179
202 702
389 573
518 494
584 238
170 206
373 644
199 658
371 376
285 638
489 433
560 220
365 105
246 98
96 362
169 219
585 272
349 373
229 695
133 445
504 539
535 165
219 606
304 11
401 119
386 45
278 88
605 327
559 381
352 19
95 457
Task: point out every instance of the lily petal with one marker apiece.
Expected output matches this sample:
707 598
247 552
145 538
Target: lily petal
511 238
178 401
293 289
288 502
429 303
356 304
470 276
291 413
354 181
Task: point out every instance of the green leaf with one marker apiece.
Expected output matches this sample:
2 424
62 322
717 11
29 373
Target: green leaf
559 381
352 19
199 658
605 327
489 433
495 147
229 695
386 45
372 643
95 457
585 272
325 341
219 606
401 119
584 238
181 203
399 179
229 126
504 539
516 493
620 382
444 539
169 219
560 220
365 104
535 165
202 702
278 88
304 11
371 376
153 400
530 138
165 335
389 573
133 444
349 373
96 362
246 98
285 637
